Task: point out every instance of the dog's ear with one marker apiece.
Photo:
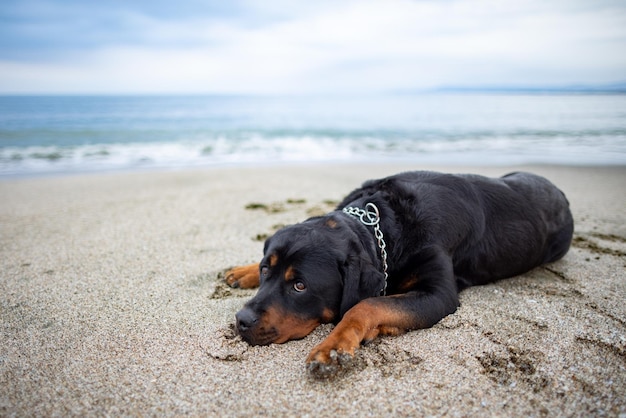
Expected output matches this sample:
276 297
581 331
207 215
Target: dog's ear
361 280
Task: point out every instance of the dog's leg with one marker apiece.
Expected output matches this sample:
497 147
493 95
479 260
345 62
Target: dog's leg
388 315
245 277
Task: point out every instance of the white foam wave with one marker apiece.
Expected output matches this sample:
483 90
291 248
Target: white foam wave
262 149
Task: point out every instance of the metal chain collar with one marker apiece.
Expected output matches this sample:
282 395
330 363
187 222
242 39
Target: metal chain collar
371 217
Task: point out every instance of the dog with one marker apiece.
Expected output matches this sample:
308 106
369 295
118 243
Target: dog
394 256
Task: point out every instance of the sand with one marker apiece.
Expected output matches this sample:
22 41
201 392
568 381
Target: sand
112 303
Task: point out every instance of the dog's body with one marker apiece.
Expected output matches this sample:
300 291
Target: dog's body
441 233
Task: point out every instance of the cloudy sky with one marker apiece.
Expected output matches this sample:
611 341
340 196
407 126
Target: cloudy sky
307 47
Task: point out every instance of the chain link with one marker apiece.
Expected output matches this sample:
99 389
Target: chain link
371 217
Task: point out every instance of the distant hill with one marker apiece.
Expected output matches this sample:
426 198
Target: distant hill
614 88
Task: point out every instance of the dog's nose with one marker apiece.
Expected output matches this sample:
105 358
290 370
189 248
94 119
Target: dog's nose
246 319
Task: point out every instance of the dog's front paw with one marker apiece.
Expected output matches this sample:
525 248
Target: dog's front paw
332 355
244 277
324 365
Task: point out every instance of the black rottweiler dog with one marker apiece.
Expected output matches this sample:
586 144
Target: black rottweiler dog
394 256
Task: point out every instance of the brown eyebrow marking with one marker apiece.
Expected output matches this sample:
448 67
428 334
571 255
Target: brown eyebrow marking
273 260
290 273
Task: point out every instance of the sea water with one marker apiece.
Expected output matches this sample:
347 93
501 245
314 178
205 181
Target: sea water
41 135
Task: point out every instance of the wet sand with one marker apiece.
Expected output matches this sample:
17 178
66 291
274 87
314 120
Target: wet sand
112 303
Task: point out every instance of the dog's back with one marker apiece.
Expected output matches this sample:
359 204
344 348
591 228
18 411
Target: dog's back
528 223
553 205
494 227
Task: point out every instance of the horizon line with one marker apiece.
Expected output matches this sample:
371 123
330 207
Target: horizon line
610 88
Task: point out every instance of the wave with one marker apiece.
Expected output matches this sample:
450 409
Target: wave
261 148
42 135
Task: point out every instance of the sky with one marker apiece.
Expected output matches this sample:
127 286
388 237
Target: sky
306 47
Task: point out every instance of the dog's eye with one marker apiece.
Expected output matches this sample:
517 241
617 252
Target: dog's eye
264 272
299 286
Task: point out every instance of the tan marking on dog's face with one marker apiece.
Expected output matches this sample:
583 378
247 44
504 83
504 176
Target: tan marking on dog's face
290 274
288 325
327 316
273 260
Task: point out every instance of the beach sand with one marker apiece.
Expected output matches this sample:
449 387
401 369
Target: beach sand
112 303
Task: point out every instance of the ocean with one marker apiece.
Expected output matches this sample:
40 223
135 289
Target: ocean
47 135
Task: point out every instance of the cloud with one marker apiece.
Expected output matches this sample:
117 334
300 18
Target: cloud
315 47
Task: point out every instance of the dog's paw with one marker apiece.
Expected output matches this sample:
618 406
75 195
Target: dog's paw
244 277
323 367
335 353
331 356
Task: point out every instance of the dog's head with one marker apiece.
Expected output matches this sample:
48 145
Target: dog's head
311 273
